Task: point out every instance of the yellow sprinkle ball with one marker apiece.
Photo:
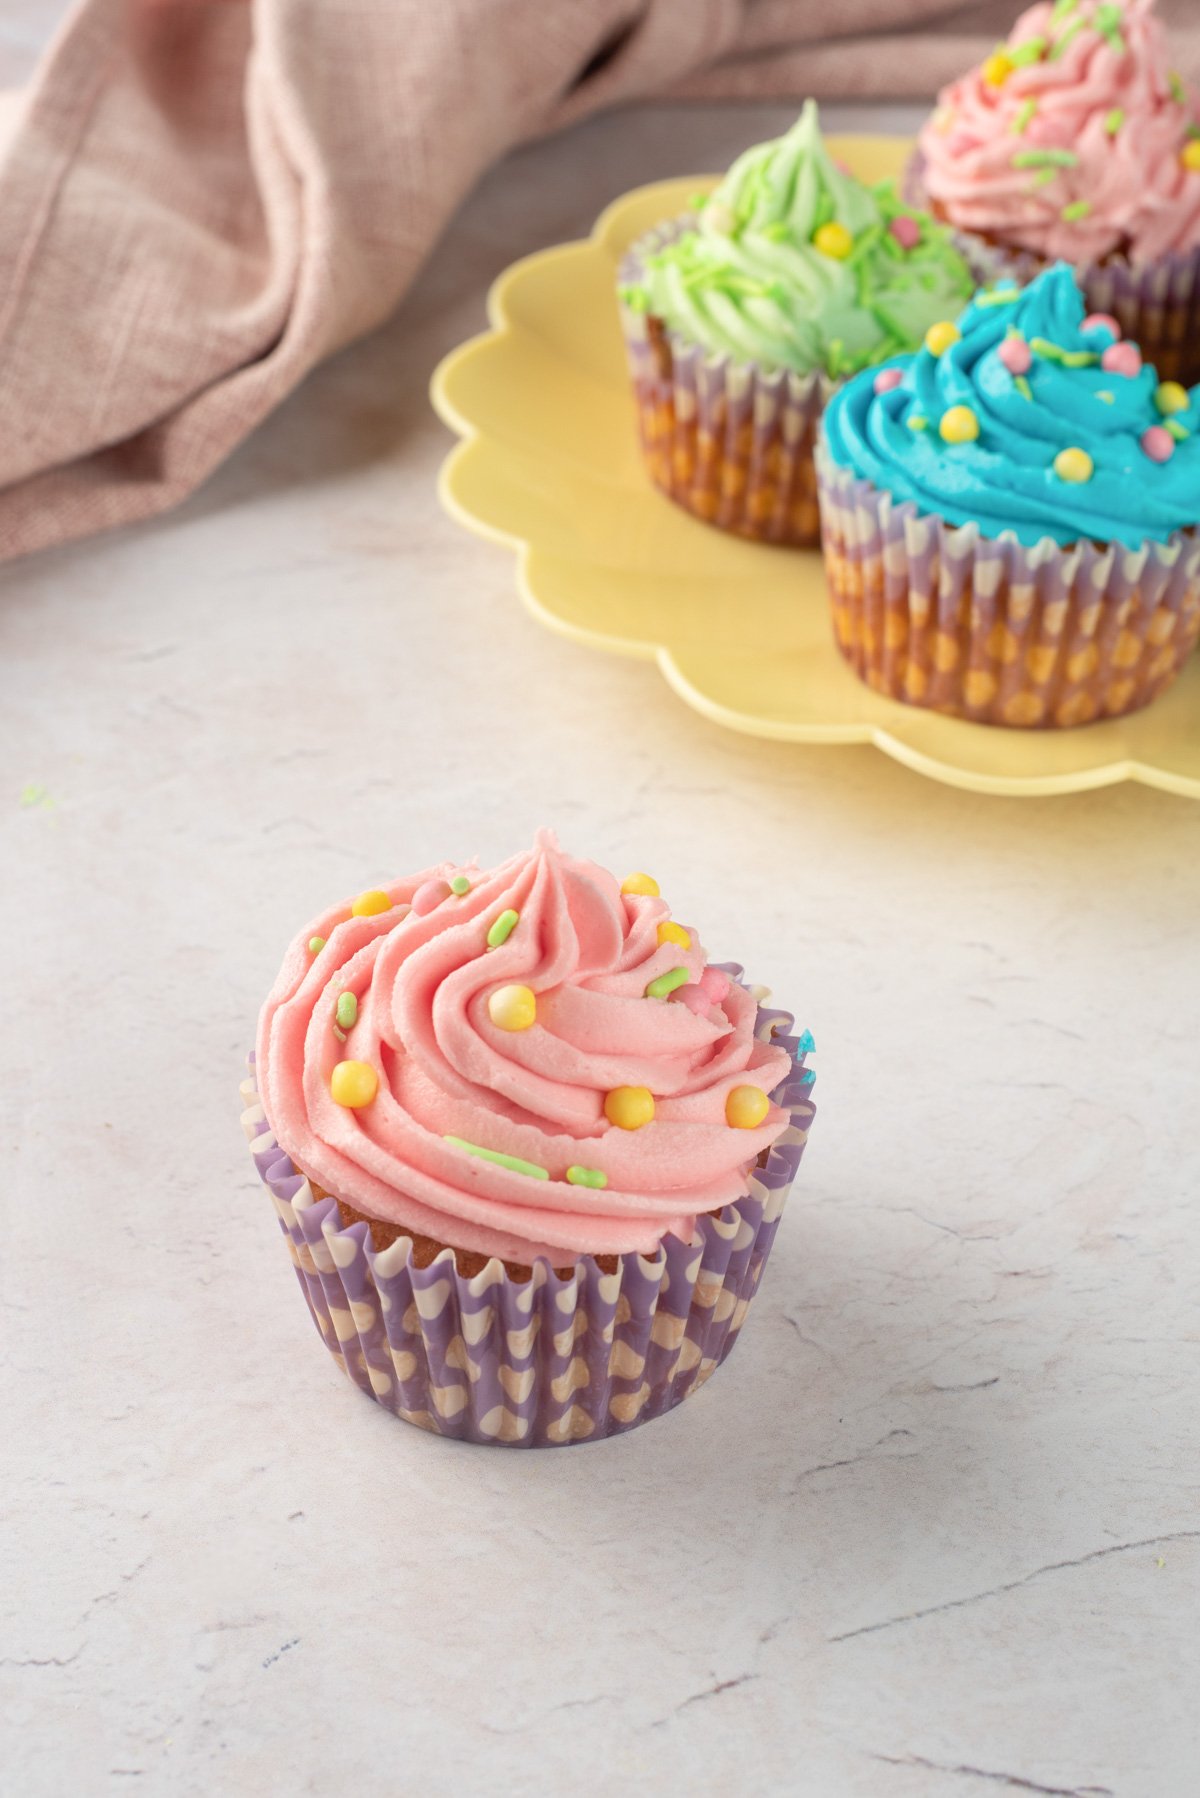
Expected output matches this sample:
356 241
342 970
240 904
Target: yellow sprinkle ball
640 883
353 1084
1073 465
1189 156
833 240
670 932
958 425
939 337
746 1107
629 1107
1171 396
512 1007
370 903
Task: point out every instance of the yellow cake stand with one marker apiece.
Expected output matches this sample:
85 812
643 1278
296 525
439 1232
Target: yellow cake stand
549 465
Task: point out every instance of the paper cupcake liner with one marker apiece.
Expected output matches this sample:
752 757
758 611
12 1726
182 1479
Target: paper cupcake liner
553 1359
730 442
1157 304
994 630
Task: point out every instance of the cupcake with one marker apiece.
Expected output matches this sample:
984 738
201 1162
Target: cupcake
740 319
1009 516
1075 141
527 1145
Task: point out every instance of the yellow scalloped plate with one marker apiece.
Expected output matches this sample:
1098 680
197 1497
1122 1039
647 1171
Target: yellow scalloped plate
550 466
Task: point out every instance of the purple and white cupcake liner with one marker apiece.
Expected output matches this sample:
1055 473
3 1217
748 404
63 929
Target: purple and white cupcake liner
553 1359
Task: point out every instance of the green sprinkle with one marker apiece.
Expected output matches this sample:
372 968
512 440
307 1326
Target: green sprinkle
1062 9
1175 85
1114 120
1044 177
1179 432
513 1163
636 299
666 983
1053 352
586 1176
1109 398
915 422
776 231
502 929
1068 37
347 1011
1077 209
1108 21
999 296
1037 159
315 945
460 885
1022 386
1024 114
1021 55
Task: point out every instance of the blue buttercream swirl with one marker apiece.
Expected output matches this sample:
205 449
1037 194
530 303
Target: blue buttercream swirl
1005 480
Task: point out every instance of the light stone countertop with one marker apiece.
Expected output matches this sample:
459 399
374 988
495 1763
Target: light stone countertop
932 1530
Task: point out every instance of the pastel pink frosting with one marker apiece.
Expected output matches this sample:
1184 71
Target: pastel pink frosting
1142 200
422 984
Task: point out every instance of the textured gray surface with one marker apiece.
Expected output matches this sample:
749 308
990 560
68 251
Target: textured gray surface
933 1530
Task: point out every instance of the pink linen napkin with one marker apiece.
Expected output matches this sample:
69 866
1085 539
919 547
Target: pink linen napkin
199 199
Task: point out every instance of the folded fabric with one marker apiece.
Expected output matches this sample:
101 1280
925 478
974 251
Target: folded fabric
200 199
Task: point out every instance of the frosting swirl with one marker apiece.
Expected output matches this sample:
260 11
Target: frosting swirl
1067 449
793 263
1072 140
457 1098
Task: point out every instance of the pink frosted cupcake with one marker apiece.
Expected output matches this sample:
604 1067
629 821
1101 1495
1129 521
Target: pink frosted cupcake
527 1145
1076 141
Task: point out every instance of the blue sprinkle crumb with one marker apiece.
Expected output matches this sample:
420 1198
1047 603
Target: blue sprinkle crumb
806 1074
806 1045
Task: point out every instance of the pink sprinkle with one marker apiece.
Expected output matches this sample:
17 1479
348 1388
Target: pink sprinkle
906 231
695 998
427 898
715 984
1122 359
1158 444
1095 320
887 378
1016 355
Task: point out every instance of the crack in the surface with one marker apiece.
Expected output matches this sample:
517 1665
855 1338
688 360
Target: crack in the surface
713 1691
974 1386
1016 1781
33 1660
955 1604
853 1460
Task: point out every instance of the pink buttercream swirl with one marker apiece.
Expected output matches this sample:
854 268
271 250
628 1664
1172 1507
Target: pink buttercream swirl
422 984
1110 101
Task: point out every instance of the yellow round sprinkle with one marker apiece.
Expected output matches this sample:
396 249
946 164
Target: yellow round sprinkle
1172 396
939 337
1189 156
746 1107
629 1107
670 932
353 1084
512 1007
1073 465
640 883
833 240
370 903
959 425
997 69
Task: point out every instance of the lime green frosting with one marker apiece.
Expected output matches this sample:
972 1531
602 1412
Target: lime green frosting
748 280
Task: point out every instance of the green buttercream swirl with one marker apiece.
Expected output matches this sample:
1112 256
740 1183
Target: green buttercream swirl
746 280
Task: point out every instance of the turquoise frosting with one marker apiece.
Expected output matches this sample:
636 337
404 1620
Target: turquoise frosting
1005 480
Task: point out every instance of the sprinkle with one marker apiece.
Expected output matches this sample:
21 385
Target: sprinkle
1074 465
666 983
1189 156
670 932
1054 352
347 1010
1037 159
941 336
943 120
887 379
340 1034
1158 443
997 69
1097 321
629 1107
1107 21
1075 209
353 1084
513 1163
1109 399
1023 388
1024 113
1122 359
429 896
1171 396
1063 44
587 1176
999 296
1179 432
915 422
833 240
512 1007
1061 10
805 1044
1114 120
959 425
640 883
1016 355
905 231
315 945
1043 178
503 928
746 1107
460 885
1176 88
370 903
1021 55
806 1075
